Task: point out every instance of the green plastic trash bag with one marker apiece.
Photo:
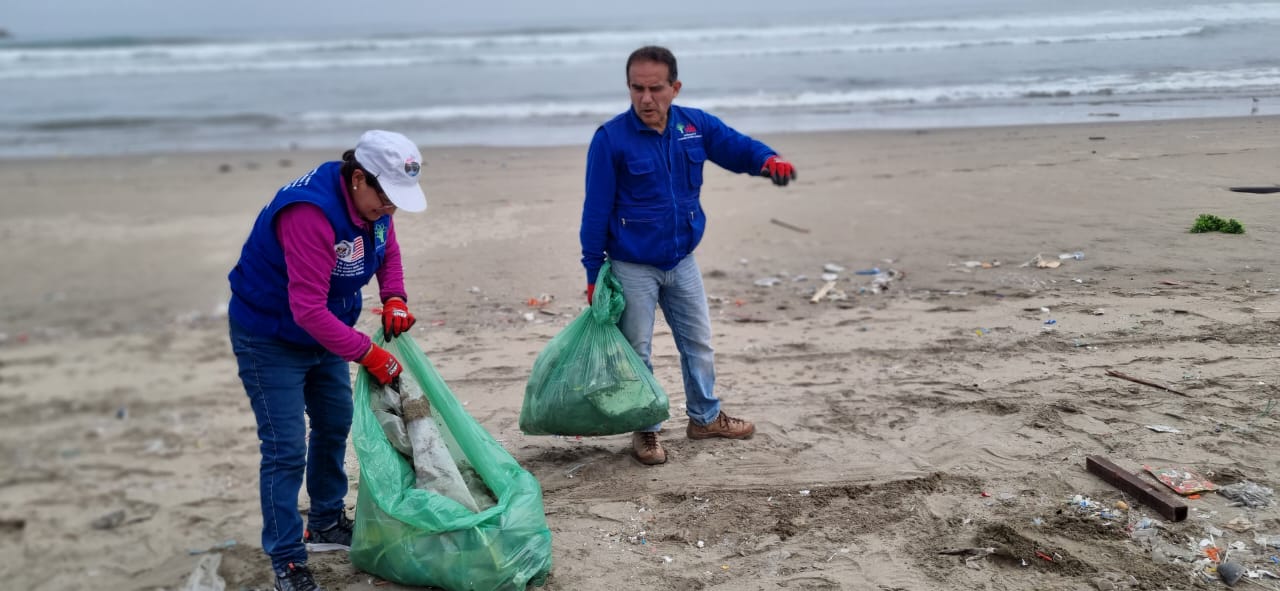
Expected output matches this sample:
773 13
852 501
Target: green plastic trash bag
415 537
588 380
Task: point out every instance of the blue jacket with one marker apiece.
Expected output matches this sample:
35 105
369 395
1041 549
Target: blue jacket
642 203
260 282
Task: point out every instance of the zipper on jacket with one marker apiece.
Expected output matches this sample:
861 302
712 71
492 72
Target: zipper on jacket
671 188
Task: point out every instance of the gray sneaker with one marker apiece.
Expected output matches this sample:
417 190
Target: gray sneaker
296 577
330 539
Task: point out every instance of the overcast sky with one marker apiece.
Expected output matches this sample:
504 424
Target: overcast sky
43 19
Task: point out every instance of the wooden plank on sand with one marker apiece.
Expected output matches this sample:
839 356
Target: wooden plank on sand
1167 506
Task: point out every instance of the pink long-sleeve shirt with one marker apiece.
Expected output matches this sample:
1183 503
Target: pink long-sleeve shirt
307 239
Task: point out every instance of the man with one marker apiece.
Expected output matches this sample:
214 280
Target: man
644 175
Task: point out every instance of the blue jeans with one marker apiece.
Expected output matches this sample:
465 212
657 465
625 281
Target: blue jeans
285 382
680 294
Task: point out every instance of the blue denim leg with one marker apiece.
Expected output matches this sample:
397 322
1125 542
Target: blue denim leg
683 299
278 380
329 405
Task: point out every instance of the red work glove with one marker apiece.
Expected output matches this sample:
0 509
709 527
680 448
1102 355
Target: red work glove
781 171
591 291
381 365
396 318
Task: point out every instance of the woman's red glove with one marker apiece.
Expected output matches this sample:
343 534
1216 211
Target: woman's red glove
381 365
591 290
396 318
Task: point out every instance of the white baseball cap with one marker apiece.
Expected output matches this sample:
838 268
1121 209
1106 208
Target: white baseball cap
395 161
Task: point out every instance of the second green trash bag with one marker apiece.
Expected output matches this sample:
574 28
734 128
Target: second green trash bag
588 380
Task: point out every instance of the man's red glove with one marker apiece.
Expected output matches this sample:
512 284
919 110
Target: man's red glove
781 171
396 318
381 365
591 291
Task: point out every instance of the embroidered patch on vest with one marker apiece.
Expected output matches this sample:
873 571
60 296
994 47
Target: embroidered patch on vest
350 257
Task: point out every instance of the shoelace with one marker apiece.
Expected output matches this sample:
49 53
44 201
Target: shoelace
650 440
729 421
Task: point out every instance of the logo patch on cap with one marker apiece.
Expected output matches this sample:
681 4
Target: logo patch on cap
412 168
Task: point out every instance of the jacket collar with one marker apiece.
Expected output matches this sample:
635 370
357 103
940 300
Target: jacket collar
639 125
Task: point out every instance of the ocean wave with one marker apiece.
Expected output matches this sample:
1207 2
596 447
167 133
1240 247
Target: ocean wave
127 122
241 63
1015 89
134 49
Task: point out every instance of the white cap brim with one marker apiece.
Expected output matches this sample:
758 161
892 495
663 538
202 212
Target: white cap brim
407 197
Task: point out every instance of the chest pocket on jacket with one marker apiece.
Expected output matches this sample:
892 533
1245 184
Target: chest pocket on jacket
697 156
643 179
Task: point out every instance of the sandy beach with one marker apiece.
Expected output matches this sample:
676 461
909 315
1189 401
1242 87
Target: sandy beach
953 408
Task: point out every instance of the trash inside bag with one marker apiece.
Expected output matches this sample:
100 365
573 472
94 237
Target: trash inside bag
588 380
435 467
424 536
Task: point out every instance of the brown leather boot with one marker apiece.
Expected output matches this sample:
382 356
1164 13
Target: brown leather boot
722 426
647 449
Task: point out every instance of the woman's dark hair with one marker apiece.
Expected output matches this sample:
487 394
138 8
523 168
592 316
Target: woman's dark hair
653 53
350 165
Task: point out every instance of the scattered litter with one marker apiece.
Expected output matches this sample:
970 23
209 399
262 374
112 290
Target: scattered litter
767 281
205 576
804 493
1042 263
1121 505
1181 480
540 301
1239 524
830 276
1163 429
969 554
882 280
1050 321
828 288
1116 374
871 271
1249 493
1230 573
1256 190
832 268
779 222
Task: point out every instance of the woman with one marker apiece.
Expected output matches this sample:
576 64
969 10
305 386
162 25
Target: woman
295 298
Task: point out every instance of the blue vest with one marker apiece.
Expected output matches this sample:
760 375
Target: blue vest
259 281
